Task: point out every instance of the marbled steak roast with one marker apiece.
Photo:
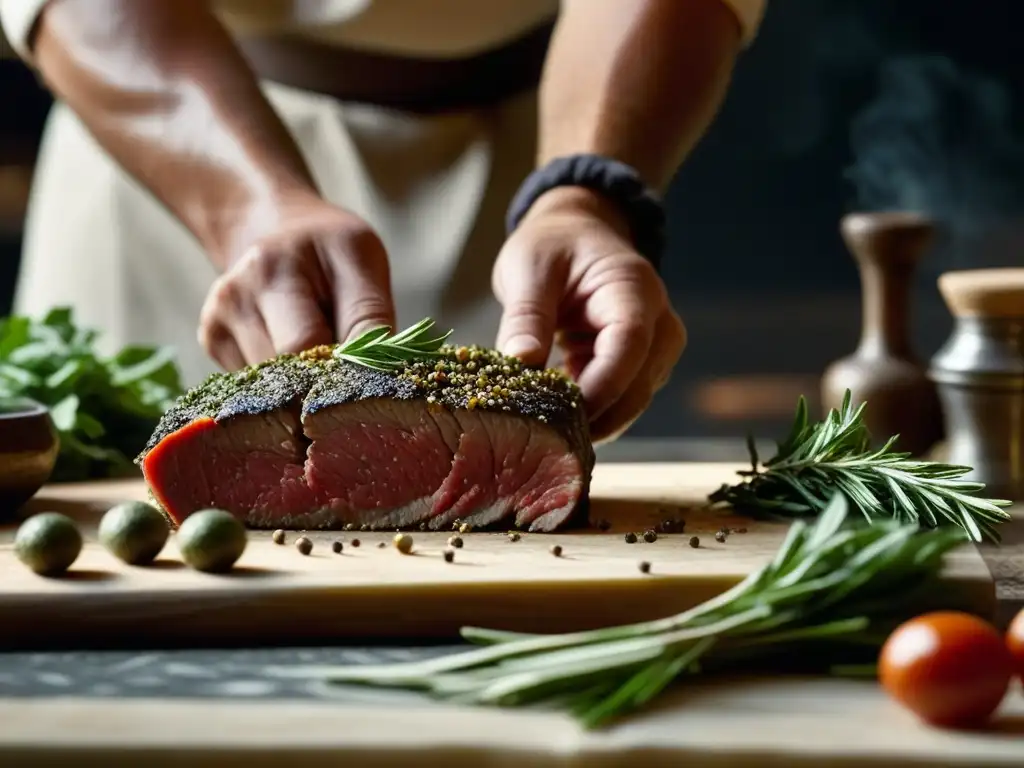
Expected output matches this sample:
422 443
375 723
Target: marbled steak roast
311 441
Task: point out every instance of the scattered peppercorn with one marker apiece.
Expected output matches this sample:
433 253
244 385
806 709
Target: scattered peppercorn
304 545
556 550
513 536
278 536
337 547
354 542
694 542
381 544
403 543
465 528
455 541
720 536
650 537
449 555
630 538
645 567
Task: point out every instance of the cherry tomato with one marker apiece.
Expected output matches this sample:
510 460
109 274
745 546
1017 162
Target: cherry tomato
951 669
1015 642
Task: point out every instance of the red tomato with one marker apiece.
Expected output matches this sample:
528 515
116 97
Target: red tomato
1015 642
950 669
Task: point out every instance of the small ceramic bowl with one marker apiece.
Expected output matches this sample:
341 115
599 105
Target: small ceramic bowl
28 452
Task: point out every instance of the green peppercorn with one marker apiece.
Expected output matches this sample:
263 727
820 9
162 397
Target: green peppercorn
513 535
278 536
403 543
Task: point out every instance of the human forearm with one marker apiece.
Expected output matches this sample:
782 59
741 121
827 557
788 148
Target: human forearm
162 88
637 80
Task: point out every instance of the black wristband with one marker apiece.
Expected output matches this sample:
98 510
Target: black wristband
618 182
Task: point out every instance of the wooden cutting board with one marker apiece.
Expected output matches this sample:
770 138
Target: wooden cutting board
277 595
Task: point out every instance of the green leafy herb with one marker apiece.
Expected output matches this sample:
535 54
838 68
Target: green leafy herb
104 408
376 349
827 600
816 460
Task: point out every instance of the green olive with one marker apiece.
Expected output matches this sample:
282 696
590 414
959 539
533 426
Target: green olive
211 540
48 543
134 532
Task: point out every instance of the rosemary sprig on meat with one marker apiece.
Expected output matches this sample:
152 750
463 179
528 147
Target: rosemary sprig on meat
818 459
377 349
828 599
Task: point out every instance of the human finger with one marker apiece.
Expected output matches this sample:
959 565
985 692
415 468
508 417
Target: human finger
654 374
529 290
360 284
621 347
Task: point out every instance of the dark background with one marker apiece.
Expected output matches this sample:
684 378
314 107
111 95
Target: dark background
839 105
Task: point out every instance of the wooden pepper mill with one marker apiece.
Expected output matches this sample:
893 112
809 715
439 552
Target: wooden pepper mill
883 370
980 375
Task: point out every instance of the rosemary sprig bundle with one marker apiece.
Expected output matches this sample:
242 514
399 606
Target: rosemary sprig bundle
818 459
829 597
377 349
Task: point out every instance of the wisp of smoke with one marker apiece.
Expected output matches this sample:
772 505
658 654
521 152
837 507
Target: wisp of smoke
940 141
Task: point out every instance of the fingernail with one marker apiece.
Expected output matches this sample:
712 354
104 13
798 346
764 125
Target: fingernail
523 347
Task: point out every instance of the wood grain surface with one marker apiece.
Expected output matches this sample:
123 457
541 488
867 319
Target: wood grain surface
278 596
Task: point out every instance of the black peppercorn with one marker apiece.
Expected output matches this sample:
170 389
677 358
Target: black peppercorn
381 544
720 536
449 555
694 542
556 550
337 547
650 536
513 536
278 536
645 567
455 541
630 538
304 545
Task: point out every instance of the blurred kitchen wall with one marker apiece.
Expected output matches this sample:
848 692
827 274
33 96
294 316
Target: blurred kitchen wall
839 105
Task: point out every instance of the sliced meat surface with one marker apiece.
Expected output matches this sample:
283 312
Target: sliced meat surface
305 445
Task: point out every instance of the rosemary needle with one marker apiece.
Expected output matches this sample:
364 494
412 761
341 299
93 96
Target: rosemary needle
816 460
377 349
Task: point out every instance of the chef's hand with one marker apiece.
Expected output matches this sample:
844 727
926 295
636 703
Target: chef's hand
569 273
314 274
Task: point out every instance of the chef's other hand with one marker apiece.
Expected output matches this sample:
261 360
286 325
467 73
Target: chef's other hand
570 273
316 274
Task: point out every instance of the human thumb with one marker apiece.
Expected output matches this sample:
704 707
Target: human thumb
530 291
362 292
